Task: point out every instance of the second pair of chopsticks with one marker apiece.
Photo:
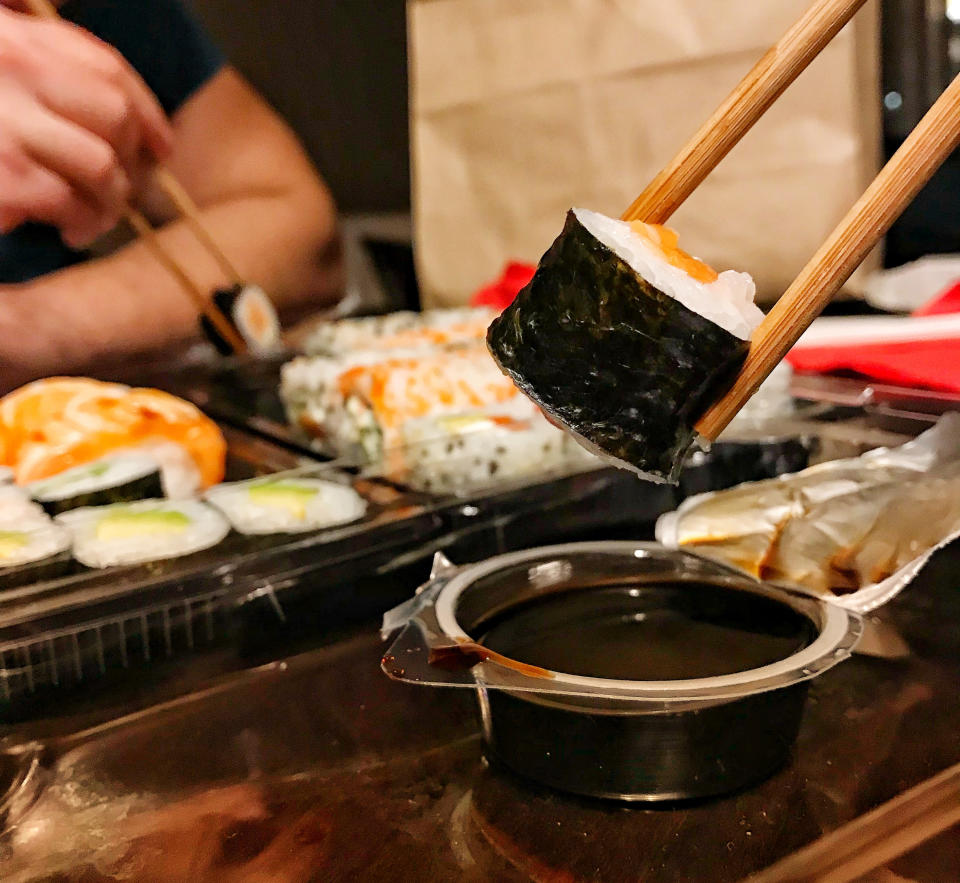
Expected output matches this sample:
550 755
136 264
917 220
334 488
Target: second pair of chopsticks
190 213
873 840
930 143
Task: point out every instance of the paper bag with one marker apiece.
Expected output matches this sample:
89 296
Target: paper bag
521 109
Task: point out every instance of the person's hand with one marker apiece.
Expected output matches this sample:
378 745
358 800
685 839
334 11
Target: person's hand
79 129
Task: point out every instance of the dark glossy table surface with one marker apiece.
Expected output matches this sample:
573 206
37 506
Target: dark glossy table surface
320 768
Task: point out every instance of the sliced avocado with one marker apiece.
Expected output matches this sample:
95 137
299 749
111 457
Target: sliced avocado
11 542
124 523
54 484
289 496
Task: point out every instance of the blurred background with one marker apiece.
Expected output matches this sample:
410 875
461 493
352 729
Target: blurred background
346 95
338 73
921 54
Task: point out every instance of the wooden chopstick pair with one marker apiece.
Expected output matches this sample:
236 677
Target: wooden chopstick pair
190 213
891 830
930 143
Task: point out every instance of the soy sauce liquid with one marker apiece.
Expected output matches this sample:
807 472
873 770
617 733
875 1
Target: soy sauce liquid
649 632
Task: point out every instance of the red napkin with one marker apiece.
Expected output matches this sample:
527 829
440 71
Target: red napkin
947 302
500 294
919 350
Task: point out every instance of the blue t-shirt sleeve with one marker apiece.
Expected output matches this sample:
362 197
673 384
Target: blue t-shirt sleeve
162 41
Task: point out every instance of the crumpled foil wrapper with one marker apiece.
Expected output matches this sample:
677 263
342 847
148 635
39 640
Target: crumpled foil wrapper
857 529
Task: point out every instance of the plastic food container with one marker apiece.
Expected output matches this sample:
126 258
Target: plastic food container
622 670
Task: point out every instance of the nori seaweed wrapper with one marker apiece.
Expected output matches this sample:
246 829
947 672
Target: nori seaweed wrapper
53 567
225 300
614 359
146 487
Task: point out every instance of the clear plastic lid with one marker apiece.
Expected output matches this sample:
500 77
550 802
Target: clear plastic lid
439 623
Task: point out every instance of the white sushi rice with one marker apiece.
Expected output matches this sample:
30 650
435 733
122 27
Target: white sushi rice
349 335
727 302
306 504
308 383
345 424
27 534
6 475
310 376
97 475
345 335
17 509
32 540
256 318
179 472
467 452
200 527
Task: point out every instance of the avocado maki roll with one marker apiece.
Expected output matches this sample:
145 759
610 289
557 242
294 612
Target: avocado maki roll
31 551
32 547
625 340
286 505
135 533
117 479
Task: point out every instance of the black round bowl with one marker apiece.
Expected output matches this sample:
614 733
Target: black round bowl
628 671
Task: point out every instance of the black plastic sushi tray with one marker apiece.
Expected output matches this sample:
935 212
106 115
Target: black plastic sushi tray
250 592
77 627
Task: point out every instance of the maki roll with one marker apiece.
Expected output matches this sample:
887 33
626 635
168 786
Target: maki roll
31 551
467 452
286 505
32 547
625 340
251 313
117 479
358 333
361 405
135 533
308 384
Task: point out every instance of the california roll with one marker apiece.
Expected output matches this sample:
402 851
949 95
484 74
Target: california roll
467 452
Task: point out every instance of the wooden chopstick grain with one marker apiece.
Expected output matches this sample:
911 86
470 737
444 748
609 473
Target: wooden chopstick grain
190 212
891 830
148 236
928 145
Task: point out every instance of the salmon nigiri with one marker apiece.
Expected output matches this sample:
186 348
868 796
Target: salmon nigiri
52 425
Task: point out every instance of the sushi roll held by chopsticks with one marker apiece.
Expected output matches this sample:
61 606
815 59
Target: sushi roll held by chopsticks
624 339
636 347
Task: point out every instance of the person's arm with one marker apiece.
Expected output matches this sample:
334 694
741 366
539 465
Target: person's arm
261 200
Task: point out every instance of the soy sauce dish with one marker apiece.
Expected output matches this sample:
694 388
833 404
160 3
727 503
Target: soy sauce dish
622 670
